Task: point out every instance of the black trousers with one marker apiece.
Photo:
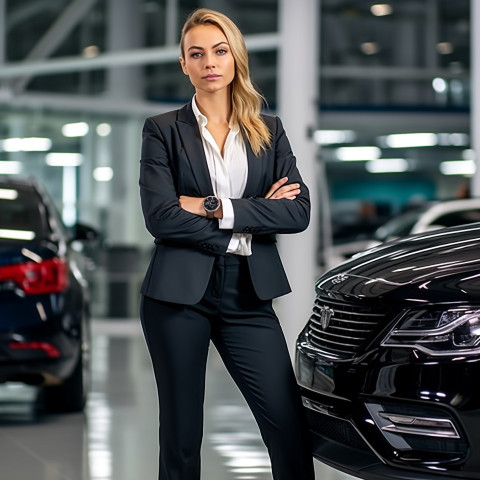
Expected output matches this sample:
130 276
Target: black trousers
249 339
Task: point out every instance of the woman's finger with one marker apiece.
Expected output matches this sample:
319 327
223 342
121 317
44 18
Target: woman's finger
287 191
276 186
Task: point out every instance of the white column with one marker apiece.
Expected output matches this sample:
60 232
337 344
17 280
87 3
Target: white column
3 31
125 21
171 22
3 43
298 103
475 94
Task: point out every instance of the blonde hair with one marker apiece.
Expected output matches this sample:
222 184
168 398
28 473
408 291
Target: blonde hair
246 100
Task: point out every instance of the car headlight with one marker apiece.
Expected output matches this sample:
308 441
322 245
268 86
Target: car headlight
438 332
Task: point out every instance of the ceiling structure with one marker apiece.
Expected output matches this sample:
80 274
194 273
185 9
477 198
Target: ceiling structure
380 72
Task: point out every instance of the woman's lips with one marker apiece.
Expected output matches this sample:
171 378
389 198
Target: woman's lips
211 77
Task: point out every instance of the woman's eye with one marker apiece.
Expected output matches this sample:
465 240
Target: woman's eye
196 55
222 51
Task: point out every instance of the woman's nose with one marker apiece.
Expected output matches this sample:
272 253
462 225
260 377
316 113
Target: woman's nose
209 61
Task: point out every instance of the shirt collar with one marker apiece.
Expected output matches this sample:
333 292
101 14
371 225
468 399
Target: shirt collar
203 120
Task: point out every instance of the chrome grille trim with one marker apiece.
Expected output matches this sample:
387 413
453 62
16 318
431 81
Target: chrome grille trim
350 325
322 334
315 316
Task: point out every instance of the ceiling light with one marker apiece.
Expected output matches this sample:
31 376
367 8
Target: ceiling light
369 48
103 129
387 165
439 85
78 129
381 9
406 140
29 144
444 48
330 137
10 167
103 174
453 139
458 167
64 159
358 153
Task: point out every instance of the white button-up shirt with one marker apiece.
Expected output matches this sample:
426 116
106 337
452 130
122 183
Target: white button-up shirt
228 174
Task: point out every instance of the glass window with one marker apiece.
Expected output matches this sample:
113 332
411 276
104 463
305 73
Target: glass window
21 210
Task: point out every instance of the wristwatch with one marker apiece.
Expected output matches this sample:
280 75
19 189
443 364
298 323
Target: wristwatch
211 205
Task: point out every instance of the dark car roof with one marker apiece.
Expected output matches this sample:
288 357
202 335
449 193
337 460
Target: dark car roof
10 180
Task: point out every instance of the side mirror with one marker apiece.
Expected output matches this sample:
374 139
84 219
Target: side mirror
82 232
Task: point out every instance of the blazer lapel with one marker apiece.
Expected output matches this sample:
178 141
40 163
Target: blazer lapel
192 143
252 188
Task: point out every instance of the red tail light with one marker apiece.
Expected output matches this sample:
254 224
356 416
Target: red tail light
48 276
50 350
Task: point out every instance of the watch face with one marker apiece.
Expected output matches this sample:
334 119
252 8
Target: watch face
211 204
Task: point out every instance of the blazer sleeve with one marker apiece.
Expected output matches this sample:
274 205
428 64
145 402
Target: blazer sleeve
164 218
271 216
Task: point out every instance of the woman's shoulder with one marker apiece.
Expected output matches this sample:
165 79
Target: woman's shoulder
273 122
166 119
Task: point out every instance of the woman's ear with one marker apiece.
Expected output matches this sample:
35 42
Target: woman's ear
184 66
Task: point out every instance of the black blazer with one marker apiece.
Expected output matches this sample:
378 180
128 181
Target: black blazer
173 163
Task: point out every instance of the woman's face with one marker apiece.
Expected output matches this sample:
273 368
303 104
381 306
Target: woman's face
208 59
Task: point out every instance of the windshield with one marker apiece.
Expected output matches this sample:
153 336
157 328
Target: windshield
22 214
399 226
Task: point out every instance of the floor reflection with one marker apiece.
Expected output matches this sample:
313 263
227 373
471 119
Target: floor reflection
116 438
37 445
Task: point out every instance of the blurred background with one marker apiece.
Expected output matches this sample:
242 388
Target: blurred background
79 77
377 101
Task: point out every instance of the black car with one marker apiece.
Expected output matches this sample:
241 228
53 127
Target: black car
44 308
389 361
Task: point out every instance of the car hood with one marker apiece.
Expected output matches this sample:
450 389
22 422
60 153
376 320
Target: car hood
440 266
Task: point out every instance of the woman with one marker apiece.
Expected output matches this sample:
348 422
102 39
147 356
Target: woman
217 182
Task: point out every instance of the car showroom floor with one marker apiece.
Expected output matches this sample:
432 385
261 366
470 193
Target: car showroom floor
116 438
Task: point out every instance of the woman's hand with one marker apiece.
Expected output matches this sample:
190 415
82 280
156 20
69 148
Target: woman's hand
280 190
195 205
192 204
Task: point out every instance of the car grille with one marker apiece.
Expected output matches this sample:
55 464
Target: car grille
340 328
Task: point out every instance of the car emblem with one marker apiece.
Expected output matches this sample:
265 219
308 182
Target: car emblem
339 278
325 316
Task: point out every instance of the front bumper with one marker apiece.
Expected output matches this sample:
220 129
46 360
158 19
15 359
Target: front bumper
392 418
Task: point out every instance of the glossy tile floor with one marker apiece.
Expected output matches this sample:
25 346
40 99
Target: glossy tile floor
116 438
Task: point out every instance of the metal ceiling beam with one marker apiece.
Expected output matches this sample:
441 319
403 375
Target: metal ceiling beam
85 103
55 35
159 55
143 56
389 73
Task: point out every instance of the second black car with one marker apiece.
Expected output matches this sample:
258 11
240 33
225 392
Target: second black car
44 303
